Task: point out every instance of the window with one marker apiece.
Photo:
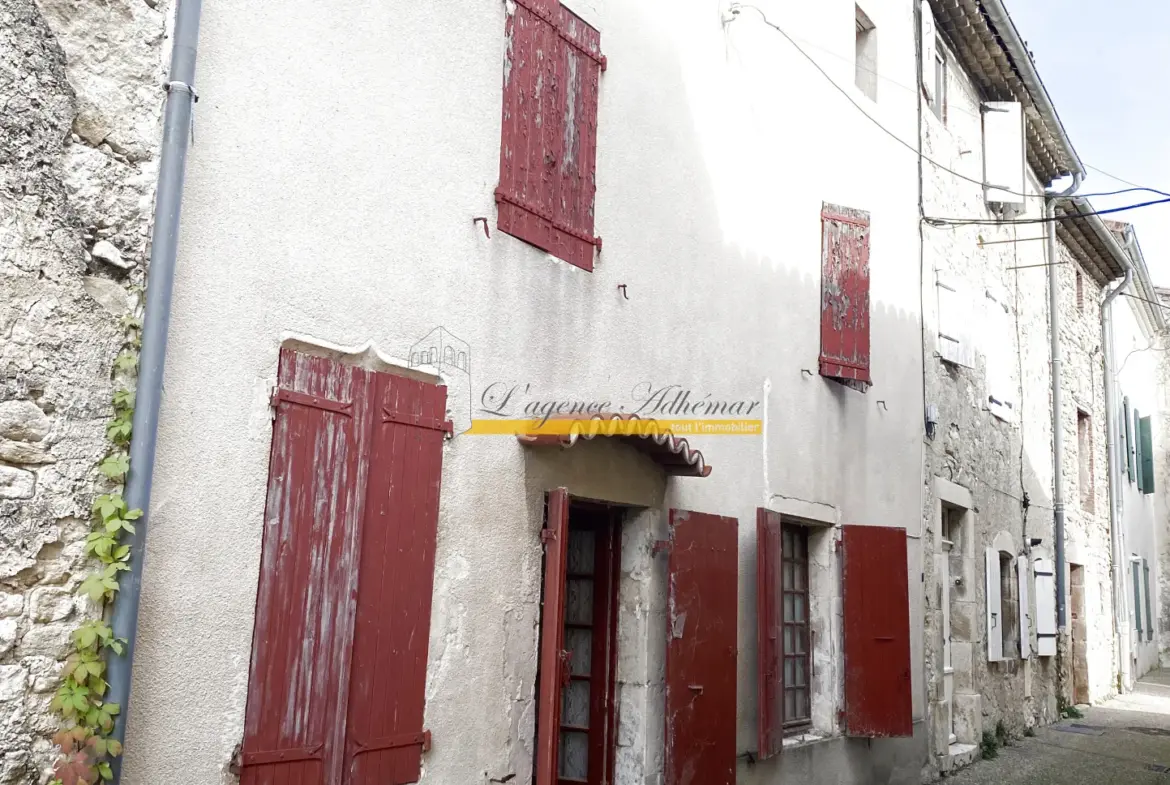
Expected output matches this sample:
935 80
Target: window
866 74
1085 459
590 592
797 642
1080 292
1007 605
845 295
548 147
328 628
939 104
1138 457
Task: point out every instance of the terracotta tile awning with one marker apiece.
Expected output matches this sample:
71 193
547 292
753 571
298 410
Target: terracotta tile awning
672 453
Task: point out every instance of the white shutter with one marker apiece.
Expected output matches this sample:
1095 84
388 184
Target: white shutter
955 343
1045 608
929 52
1003 152
1025 609
1001 357
994 608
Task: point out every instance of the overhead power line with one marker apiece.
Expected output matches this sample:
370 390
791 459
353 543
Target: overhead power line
1018 221
914 148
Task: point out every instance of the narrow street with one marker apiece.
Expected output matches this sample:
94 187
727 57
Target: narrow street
1126 740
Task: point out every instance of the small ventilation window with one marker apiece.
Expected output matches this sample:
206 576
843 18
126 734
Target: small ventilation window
866 62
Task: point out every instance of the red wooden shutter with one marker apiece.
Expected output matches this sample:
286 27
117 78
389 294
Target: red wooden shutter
877 632
548 149
845 294
553 667
769 623
295 716
702 619
385 738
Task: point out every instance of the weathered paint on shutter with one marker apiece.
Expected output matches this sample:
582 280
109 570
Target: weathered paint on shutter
702 622
1045 608
1025 609
553 657
1129 447
769 625
386 738
548 150
1146 439
1149 609
845 294
295 719
877 632
994 599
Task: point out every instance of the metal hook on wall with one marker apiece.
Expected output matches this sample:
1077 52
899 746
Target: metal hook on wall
486 233
622 288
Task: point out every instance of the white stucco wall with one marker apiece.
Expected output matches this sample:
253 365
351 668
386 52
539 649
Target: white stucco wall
342 153
1136 362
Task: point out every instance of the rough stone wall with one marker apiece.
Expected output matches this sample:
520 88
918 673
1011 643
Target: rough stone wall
78 130
1087 535
1001 463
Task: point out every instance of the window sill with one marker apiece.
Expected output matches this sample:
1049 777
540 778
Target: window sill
805 739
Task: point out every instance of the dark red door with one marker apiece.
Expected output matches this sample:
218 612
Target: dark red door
385 738
877 632
702 620
295 718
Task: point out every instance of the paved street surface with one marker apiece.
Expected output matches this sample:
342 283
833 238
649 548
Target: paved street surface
1126 740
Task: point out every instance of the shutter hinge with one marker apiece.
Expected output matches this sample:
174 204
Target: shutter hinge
547 535
660 546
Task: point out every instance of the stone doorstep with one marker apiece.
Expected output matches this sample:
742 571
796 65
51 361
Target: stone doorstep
958 756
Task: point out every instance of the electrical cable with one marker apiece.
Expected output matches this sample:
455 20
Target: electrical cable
1017 221
734 8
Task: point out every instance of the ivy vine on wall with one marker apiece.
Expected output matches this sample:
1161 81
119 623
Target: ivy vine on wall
87 719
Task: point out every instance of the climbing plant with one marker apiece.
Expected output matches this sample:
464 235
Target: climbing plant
87 719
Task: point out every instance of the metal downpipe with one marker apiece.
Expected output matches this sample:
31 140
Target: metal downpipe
160 284
1057 401
1111 439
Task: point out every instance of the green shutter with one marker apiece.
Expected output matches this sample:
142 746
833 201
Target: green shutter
1137 447
1149 616
1137 597
1146 442
1128 440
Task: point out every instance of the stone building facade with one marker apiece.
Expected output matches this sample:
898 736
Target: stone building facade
79 83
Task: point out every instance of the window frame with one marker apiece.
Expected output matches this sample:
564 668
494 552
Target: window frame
791 534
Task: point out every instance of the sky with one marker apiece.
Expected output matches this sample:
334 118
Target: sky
1105 65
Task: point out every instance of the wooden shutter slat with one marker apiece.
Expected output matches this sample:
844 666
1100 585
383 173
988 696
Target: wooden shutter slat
295 714
845 294
552 632
1025 612
392 629
1129 448
769 628
702 618
1045 608
877 632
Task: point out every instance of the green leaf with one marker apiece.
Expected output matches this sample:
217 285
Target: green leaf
98 685
126 361
122 552
117 645
92 717
86 637
100 746
133 515
124 399
113 708
115 466
93 587
114 747
105 772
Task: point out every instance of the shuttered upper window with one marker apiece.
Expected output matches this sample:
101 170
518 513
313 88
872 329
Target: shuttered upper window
346 578
845 295
548 150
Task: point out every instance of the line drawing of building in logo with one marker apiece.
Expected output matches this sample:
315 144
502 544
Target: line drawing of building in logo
446 351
